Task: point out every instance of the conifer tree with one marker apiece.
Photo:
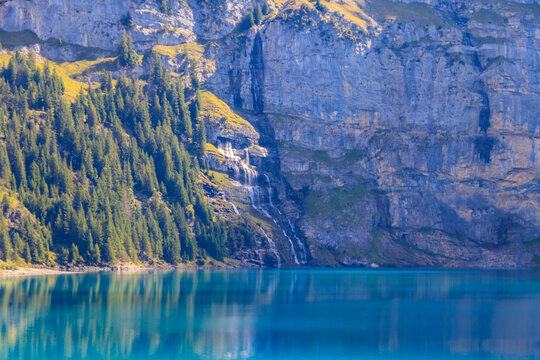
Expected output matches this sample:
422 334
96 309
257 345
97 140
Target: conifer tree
5 243
257 15
127 55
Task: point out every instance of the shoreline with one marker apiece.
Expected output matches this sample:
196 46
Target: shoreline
46 271
121 268
26 271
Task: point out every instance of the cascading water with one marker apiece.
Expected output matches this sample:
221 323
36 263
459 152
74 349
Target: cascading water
272 245
235 209
245 173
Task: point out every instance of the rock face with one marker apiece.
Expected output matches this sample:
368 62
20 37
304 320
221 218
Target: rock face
99 23
398 133
417 142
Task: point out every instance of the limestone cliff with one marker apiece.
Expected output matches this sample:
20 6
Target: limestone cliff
387 132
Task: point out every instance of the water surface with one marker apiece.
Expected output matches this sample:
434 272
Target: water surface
272 314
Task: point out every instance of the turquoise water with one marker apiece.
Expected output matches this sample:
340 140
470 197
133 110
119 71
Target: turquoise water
271 314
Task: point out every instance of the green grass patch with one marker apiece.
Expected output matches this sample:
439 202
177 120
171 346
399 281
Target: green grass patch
193 51
530 9
488 17
215 109
498 60
376 233
307 154
534 242
352 11
322 254
488 40
333 201
307 178
431 230
349 158
19 38
268 227
77 68
416 43
219 178
211 149
66 71
420 12
353 156
7 266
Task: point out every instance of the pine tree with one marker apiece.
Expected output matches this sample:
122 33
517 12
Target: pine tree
26 254
127 55
5 167
199 137
257 15
251 19
5 243
163 6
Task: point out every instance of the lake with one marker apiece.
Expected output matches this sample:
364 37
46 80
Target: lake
273 314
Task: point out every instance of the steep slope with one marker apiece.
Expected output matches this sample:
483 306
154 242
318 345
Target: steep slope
388 132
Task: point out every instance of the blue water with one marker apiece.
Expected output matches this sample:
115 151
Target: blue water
271 314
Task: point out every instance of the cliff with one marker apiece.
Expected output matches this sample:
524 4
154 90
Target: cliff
348 132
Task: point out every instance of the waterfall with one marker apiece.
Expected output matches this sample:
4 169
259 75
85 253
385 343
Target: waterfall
235 209
270 193
303 259
295 257
273 246
247 175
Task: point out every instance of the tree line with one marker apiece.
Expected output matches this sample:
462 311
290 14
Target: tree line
109 176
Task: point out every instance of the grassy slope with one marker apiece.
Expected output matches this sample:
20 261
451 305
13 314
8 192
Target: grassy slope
215 109
193 50
67 71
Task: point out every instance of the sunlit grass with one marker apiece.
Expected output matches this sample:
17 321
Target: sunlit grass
67 71
215 109
193 50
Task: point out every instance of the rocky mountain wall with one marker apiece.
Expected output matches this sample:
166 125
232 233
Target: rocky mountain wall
99 23
437 118
400 133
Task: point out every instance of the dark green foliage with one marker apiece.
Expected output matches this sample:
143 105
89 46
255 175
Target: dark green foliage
300 18
195 83
483 146
111 176
5 243
483 119
239 237
163 7
265 8
247 22
127 20
126 54
257 15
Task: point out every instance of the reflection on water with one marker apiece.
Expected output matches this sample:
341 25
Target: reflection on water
267 314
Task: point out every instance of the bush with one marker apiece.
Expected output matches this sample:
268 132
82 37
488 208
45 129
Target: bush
7 266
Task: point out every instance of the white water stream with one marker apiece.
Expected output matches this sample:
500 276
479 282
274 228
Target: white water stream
247 175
